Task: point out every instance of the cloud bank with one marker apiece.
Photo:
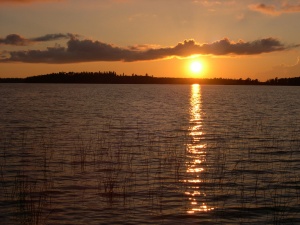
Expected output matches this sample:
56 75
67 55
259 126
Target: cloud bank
88 50
275 11
15 39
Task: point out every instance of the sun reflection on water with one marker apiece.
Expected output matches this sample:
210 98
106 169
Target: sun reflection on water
196 156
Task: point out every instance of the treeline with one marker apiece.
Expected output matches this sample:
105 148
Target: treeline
111 77
294 81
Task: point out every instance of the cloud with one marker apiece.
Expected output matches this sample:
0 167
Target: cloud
288 8
88 51
15 39
225 47
275 11
52 37
265 9
210 3
207 3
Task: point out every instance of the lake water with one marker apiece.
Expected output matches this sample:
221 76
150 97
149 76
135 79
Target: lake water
149 154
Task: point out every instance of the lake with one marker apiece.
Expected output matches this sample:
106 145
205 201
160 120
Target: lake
149 154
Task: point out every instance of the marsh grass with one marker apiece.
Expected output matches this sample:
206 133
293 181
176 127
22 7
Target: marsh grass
128 171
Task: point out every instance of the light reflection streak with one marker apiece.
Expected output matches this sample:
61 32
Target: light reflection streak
196 155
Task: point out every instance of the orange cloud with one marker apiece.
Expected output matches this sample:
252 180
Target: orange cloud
275 11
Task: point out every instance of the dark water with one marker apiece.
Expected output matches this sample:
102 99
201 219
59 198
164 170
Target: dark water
149 154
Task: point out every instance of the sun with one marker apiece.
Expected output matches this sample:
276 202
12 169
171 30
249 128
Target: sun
196 67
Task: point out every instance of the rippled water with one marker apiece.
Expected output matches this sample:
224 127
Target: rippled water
149 154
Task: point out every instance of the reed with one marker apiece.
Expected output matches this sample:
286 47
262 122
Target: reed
138 169
31 201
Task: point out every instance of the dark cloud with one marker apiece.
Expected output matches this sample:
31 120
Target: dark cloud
88 51
275 11
225 46
15 39
52 37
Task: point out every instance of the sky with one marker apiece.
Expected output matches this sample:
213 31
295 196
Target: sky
257 39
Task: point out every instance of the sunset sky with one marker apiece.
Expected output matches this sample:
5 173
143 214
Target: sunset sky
258 39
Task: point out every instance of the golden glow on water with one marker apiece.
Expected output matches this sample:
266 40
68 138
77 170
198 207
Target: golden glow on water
196 152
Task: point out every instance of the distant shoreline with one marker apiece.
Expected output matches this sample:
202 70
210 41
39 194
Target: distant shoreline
112 78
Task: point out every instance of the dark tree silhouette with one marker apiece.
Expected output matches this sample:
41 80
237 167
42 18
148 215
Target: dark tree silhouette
111 77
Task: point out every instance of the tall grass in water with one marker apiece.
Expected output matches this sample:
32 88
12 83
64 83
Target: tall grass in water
24 191
31 201
133 173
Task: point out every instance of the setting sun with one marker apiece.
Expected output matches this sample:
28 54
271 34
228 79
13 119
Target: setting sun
196 67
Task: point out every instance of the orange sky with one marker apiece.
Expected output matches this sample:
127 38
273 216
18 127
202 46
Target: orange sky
231 39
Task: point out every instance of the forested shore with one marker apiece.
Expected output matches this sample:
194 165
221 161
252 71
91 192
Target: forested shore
111 77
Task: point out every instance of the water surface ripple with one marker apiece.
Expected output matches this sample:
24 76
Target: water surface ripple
149 154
